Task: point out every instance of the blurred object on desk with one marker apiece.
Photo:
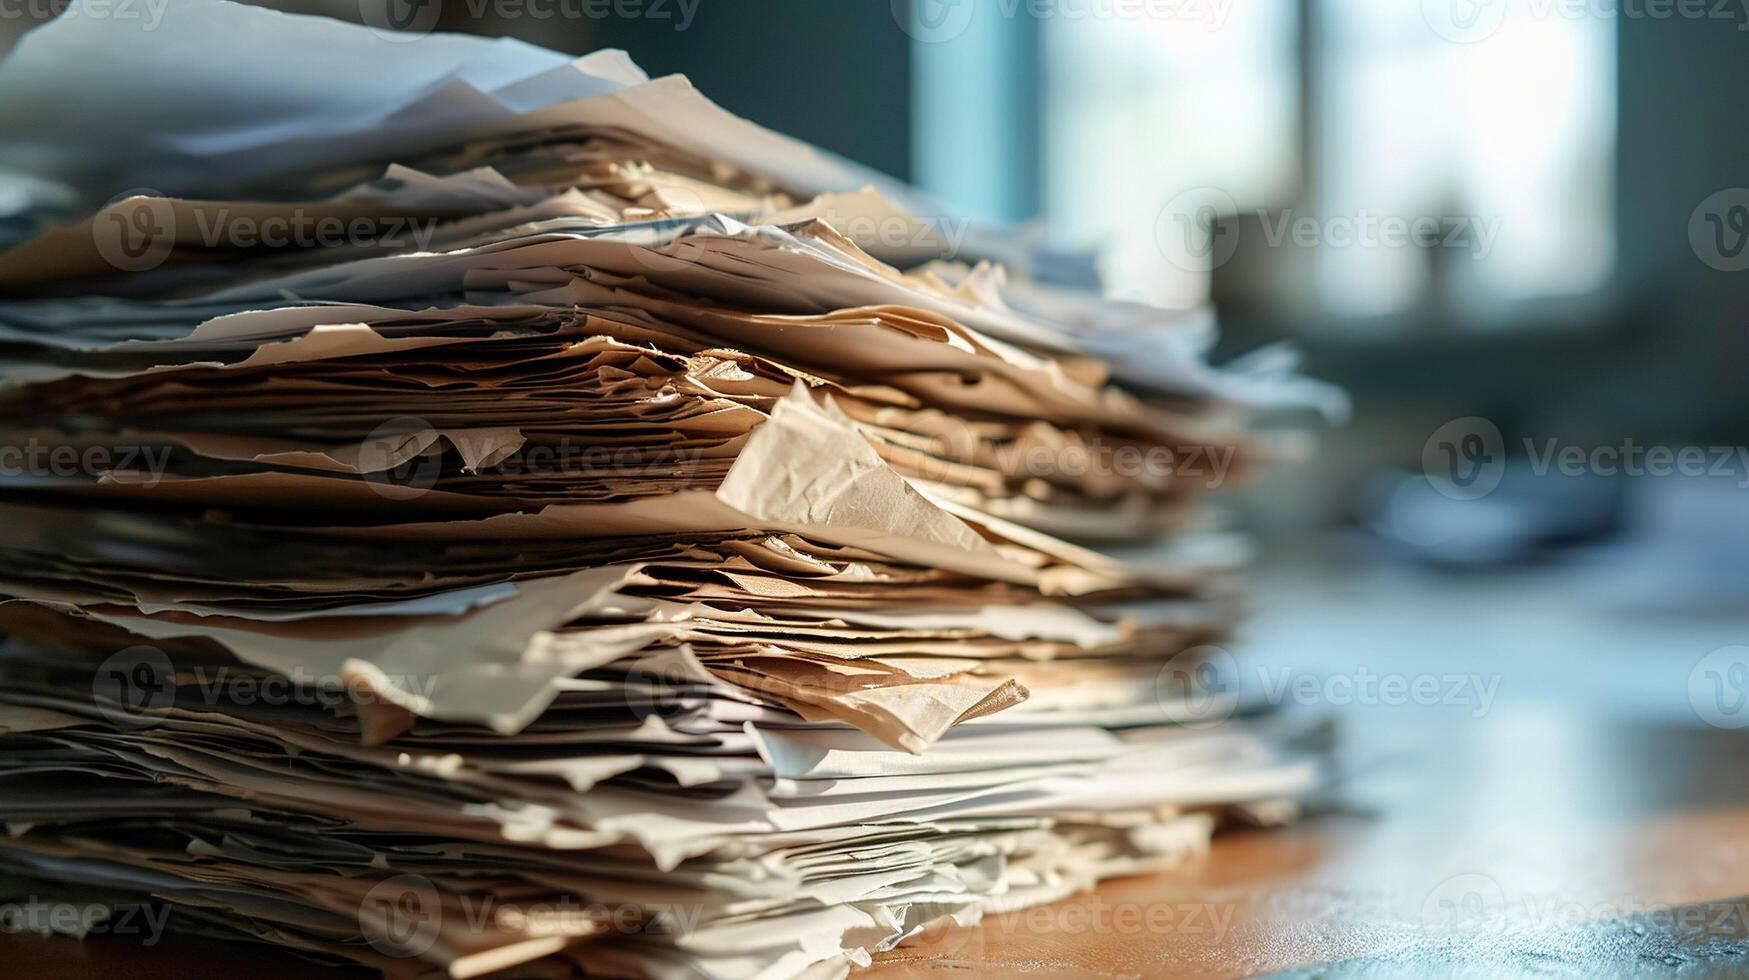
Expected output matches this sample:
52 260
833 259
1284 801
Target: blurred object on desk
1524 517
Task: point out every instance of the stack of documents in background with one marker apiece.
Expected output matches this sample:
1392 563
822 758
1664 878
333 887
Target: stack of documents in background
489 511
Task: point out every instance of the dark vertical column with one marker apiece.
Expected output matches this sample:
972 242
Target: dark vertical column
1683 139
834 73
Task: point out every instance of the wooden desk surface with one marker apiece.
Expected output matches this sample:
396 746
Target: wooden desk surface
1502 847
1529 845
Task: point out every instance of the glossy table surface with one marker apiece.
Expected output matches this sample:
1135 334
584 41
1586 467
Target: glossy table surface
1505 847
1529 844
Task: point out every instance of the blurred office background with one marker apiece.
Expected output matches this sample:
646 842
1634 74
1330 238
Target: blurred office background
1577 279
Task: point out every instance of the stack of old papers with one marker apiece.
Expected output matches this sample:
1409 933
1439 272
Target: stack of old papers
484 511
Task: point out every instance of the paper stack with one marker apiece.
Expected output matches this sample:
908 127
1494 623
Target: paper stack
493 512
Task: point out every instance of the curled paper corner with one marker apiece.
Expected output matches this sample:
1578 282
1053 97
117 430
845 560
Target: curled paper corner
808 465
